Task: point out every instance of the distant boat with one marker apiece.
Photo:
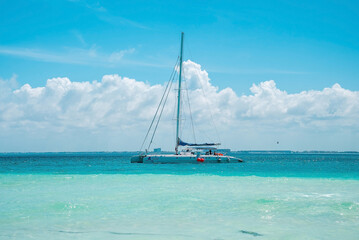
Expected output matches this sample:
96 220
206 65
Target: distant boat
190 152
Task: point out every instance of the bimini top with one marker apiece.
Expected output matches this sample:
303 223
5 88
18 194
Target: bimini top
182 143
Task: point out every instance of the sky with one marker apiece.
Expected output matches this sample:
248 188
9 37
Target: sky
82 75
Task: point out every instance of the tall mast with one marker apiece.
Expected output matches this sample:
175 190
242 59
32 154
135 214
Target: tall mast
179 97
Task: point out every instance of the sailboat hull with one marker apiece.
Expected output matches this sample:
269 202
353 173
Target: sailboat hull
168 159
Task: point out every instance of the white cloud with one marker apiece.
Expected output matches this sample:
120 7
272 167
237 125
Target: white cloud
123 107
7 85
63 103
330 106
118 55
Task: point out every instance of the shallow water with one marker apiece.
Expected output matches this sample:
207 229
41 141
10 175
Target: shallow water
103 196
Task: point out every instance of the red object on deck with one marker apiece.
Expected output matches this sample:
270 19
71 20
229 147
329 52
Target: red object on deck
200 159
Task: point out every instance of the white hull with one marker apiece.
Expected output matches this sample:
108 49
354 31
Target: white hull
159 159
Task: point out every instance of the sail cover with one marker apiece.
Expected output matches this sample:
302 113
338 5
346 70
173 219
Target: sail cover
182 143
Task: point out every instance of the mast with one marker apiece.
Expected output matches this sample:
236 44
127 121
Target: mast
179 97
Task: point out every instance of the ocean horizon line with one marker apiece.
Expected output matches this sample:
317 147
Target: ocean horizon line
165 151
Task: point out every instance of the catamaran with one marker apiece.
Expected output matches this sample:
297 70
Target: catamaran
189 152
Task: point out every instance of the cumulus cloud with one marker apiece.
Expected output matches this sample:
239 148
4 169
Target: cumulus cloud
62 103
267 103
331 106
125 105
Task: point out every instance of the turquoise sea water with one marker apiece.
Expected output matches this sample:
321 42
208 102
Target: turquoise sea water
103 196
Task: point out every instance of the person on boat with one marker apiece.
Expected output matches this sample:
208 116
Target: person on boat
210 152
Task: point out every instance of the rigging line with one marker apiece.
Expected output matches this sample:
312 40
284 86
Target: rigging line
208 107
159 105
174 101
159 117
215 128
154 117
190 112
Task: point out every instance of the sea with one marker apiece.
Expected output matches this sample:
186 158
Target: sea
271 195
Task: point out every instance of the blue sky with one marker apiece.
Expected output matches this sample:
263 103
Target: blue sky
301 45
